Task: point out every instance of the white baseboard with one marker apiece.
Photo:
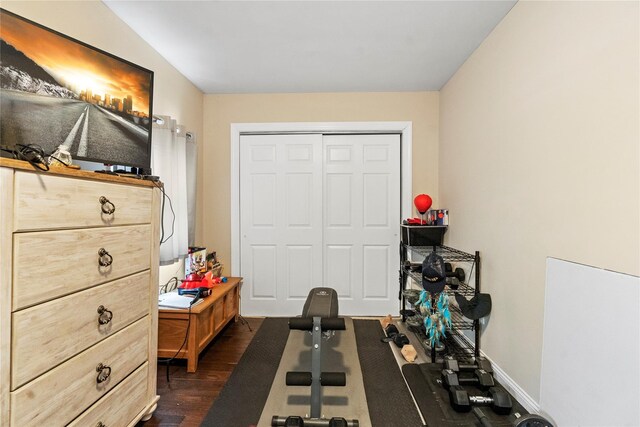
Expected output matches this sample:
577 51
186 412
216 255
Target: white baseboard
512 387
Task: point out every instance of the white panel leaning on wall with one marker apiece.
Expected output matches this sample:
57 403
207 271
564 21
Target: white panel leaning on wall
591 346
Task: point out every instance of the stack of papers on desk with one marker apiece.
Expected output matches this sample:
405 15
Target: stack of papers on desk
173 300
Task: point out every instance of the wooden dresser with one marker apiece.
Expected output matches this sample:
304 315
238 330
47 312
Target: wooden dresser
203 322
78 297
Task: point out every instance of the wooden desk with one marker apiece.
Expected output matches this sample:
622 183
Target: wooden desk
207 319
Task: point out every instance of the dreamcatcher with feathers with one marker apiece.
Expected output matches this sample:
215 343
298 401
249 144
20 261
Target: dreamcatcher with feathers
437 318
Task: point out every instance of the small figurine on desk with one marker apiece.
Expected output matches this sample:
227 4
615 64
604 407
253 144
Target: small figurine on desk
218 280
196 261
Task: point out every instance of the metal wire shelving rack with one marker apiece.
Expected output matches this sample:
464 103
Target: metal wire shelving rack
464 347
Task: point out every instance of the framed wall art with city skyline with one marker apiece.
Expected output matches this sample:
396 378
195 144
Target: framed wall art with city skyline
59 92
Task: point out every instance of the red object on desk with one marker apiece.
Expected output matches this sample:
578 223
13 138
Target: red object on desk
195 281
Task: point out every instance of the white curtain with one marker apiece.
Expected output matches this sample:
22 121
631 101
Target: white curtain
169 162
192 164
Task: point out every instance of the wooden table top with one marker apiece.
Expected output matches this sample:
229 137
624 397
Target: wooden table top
217 292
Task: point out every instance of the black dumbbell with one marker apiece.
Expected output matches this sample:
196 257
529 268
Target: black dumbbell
482 379
498 399
453 283
391 330
458 273
481 363
393 334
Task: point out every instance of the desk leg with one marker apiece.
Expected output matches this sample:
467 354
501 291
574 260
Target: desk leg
192 345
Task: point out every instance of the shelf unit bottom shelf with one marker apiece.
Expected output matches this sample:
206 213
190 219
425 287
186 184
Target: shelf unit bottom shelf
455 345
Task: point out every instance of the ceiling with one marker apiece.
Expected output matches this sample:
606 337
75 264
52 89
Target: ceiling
313 46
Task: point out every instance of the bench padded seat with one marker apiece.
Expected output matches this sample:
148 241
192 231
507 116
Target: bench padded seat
321 302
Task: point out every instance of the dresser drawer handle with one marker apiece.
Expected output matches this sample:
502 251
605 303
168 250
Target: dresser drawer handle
105 315
104 372
104 258
107 207
101 424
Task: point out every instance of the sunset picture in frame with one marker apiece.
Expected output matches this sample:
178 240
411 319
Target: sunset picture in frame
58 92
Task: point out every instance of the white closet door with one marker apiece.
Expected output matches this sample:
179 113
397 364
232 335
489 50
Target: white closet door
280 222
361 185
319 211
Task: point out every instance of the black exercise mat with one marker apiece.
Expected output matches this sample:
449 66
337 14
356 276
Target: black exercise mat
388 399
433 399
241 401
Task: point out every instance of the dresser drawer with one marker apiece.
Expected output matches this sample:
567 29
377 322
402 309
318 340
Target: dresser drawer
48 334
49 202
49 264
121 405
63 393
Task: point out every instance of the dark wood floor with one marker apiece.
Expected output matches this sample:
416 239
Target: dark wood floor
186 398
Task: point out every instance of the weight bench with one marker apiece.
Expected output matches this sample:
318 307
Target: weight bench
320 316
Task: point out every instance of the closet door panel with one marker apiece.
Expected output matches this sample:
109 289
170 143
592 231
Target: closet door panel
299 194
376 190
362 210
264 267
299 270
339 200
338 272
280 221
265 191
376 271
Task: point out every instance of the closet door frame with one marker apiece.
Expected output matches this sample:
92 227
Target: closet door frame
237 129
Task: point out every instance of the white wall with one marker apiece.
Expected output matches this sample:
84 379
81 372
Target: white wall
539 157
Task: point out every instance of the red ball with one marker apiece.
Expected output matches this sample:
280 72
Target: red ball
423 203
